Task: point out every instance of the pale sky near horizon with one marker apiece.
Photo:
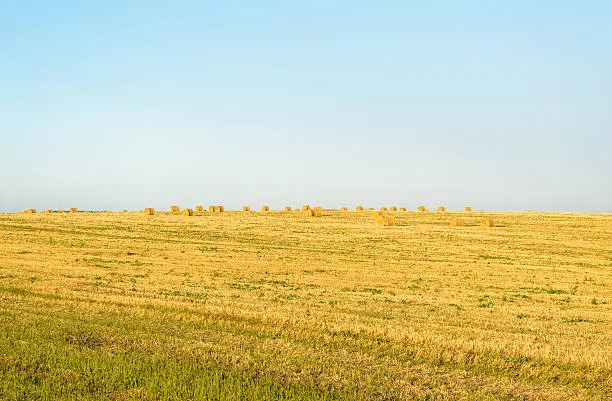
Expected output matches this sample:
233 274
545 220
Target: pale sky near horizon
502 105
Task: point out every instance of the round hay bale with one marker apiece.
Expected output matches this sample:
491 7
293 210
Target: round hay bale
393 208
29 211
343 209
468 208
305 208
441 209
175 209
187 212
402 209
457 222
73 210
371 209
317 211
288 208
149 211
359 209
384 218
384 209
487 222
221 209
199 208
265 208
246 208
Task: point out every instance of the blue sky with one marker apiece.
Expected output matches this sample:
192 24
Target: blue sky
500 105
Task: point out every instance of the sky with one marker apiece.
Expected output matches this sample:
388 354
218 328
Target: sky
501 105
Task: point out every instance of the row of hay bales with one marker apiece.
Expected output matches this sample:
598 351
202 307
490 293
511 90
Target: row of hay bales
33 211
219 209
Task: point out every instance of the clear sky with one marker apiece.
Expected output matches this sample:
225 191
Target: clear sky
503 105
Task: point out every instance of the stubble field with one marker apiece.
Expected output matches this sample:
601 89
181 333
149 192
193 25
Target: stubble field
278 305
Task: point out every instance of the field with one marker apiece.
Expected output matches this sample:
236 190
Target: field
279 305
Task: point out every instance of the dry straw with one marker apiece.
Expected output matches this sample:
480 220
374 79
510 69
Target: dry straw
221 209
124 211
149 211
29 211
199 208
360 208
393 208
73 210
344 209
457 222
288 208
49 211
468 208
487 223
265 208
246 208
175 209
422 209
441 209
402 209
212 209
305 208
371 209
385 218
384 209
187 212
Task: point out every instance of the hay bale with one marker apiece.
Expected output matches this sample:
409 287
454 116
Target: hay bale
422 209
265 208
288 208
402 209
457 222
344 209
314 212
221 209
487 223
441 209
49 211
29 211
384 209
199 208
385 218
393 208
175 209
124 211
187 212
371 209
305 208
73 210
246 208
149 211
468 208
212 209
359 208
